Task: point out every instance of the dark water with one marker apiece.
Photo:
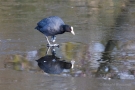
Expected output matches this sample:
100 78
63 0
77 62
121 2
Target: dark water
103 47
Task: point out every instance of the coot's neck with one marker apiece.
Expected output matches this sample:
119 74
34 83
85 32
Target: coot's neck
62 29
65 65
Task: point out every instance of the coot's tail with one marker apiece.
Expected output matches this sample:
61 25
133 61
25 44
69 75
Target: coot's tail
37 27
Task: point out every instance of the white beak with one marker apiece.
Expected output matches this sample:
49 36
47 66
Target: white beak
73 63
72 31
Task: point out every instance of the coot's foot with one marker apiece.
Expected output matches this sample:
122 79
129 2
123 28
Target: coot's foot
53 45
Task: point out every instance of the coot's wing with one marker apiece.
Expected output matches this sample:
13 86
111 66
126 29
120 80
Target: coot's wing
55 24
50 25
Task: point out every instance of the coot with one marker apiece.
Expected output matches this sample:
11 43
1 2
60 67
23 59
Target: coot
52 64
52 26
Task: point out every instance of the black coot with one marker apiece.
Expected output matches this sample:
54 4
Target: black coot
52 26
52 64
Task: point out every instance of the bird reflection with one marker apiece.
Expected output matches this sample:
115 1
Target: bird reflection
52 64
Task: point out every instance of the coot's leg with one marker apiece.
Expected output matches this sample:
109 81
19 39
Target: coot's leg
53 51
48 40
51 45
53 38
47 50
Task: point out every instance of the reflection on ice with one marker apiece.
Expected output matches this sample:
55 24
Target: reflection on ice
53 65
90 60
31 55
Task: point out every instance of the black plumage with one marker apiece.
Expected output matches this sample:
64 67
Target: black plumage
52 26
53 65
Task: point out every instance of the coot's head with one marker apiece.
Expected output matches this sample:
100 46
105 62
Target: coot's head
68 28
65 65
